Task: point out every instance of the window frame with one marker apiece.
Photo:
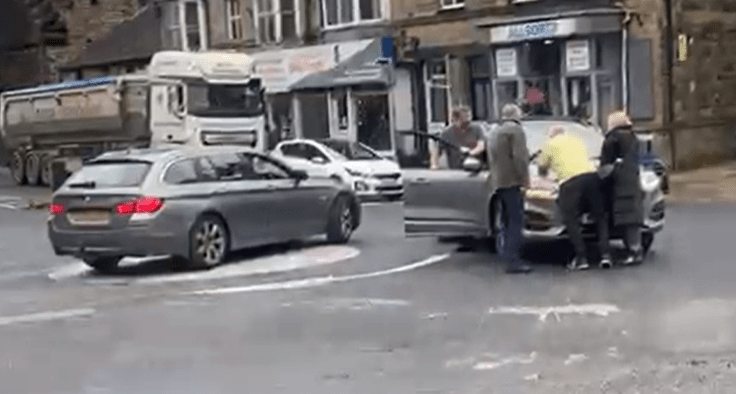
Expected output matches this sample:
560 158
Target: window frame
452 4
232 19
382 12
277 14
254 156
431 82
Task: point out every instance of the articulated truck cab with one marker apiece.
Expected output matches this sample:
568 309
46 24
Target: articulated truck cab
184 99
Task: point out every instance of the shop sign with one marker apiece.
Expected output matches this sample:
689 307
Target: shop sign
533 30
577 55
506 62
307 64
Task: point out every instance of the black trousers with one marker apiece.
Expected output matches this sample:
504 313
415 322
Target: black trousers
583 194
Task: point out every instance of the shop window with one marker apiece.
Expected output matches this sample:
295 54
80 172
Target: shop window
277 20
480 82
341 102
374 129
234 17
578 97
315 116
437 91
506 93
537 100
346 12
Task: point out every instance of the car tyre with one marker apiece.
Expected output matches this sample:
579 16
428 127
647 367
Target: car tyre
341 222
499 224
209 242
33 169
103 265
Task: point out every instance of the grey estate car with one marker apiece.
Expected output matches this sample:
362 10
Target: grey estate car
194 204
461 203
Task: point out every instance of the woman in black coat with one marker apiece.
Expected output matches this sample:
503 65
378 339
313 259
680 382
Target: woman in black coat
621 149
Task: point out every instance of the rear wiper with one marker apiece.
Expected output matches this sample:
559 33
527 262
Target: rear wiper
83 185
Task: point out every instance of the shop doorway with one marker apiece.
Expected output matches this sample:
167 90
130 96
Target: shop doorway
315 116
374 128
542 69
280 115
579 97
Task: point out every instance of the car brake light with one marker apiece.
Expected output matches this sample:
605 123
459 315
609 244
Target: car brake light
56 209
140 205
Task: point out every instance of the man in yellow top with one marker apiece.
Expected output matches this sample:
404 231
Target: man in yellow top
580 192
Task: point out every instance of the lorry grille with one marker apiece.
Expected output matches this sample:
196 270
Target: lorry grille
241 137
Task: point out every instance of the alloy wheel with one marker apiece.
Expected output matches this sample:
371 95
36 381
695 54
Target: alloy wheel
210 243
346 221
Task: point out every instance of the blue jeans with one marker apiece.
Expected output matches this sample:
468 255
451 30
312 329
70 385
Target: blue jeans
513 201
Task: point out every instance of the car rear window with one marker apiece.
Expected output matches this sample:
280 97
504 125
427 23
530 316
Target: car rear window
111 174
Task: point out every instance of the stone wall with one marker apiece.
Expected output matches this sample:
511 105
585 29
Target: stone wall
88 20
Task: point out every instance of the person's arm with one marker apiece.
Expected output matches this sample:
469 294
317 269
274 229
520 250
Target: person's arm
480 146
608 151
520 156
544 162
435 151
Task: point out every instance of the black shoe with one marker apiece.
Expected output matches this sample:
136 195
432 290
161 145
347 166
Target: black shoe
606 262
578 264
519 268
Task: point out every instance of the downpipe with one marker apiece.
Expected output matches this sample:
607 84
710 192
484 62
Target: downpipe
625 61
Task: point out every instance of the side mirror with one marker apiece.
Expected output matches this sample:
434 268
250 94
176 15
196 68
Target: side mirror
471 164
318 160
299 175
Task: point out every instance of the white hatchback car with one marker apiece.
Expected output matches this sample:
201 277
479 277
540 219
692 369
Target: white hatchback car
369 175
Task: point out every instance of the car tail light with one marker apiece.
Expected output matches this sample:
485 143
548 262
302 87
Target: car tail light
56 209
140 205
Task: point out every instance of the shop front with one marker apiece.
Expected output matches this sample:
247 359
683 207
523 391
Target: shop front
564 66
342 90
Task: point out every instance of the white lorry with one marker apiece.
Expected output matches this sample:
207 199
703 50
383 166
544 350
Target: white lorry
184 98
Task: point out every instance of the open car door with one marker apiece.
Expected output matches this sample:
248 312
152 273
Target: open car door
443 202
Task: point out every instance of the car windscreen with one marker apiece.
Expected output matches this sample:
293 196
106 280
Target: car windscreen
110 174
351 150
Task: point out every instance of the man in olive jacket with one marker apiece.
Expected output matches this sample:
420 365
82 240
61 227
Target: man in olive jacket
510 158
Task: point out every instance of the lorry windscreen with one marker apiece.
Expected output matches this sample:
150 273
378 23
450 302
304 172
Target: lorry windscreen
224 100
110 174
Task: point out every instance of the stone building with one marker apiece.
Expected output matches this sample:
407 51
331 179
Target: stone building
668 62
326 66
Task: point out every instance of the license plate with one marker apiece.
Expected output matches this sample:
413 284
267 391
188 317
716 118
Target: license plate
96 217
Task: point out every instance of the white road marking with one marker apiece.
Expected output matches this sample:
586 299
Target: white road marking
8 206
485 366
361 304
319 281
45 316
584 309
293 260
380 204
574 358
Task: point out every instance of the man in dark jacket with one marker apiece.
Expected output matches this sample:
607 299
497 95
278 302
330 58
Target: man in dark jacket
510 168
621 149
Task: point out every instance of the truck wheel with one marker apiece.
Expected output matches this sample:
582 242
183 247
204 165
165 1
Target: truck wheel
33 168
46 170
18 168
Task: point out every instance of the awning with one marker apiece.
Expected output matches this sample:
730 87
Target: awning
321 66
562 24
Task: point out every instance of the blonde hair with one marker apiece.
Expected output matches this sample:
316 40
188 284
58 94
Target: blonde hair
618 119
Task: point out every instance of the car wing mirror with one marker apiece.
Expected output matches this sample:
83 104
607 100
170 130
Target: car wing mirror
318 160
471 164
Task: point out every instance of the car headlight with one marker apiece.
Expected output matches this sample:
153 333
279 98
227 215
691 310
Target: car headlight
649 181
356 173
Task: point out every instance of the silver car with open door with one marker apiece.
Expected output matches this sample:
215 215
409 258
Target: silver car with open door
461 203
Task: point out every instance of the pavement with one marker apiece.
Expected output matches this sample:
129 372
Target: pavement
709 184
382 314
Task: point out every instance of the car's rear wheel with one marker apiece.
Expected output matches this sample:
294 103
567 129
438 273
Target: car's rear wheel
209 242
499 225
341 223
103 265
